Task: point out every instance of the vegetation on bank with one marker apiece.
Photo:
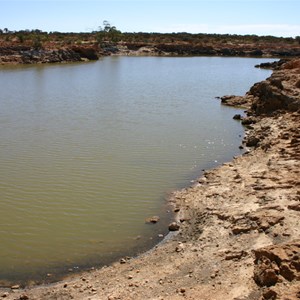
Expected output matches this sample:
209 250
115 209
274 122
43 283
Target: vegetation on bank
37 46
110 34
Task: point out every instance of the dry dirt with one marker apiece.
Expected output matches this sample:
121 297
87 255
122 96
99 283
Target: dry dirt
239 234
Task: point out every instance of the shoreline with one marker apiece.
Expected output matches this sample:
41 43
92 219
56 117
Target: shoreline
20 54
239 235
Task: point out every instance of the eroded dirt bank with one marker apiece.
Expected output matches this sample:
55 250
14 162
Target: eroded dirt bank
239 232
16 53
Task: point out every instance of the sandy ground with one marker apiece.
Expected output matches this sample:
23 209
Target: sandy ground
239 234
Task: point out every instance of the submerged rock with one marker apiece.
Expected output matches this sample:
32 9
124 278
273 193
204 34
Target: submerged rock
152 220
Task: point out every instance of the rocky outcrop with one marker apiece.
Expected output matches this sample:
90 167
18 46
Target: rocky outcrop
275 65
262 220
274 94
52 52
281 91
275 262
51 56
190 49
28 55
185 49
236 101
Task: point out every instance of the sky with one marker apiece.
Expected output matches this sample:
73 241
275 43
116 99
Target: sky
260 17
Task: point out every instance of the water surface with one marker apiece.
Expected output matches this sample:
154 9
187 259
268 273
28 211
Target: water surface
89 151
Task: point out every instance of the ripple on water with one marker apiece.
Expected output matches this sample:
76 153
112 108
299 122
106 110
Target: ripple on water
89 151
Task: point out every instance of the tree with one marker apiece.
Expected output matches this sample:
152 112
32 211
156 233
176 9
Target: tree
20 37
37 43
108 33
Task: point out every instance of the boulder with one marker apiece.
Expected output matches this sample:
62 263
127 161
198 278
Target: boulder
275 262
276 93
174 226
237 117
252 141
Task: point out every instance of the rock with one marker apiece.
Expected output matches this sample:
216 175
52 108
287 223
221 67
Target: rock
179 248
123 261
15 287
269 98
232 100
272 65
267 274
266 218
237 117
295 141
235 255
248 121
278 92
269 294
86 52
4 295
242 229
276 82
272 262
174 226
262 220
285 136
256 52
28 55
152 220
225 98
295 206
252 141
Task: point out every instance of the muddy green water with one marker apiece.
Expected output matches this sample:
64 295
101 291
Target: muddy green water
89 151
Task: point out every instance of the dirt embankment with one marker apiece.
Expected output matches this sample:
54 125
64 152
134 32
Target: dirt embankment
239 234
217 49
29 55
51 52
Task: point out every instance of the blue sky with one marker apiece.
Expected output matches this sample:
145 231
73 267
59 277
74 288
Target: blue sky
261 17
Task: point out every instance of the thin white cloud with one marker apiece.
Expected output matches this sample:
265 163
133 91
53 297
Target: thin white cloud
285 30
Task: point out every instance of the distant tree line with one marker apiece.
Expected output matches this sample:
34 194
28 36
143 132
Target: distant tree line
109 34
